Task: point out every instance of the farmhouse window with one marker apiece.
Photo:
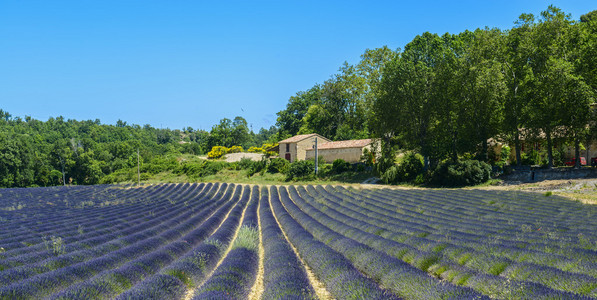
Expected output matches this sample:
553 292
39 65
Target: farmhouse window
287 147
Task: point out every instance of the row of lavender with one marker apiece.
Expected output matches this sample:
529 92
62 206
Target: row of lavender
155 218
454 237
83 228
197 241
203 241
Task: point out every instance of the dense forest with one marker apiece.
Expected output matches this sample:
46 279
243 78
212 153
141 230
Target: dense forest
37 153
442 96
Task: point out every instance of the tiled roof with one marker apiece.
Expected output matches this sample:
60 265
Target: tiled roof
344 144
300 137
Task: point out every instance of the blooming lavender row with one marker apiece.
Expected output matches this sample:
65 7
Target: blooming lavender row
570 259
475 278
132 240
36 199
47 283
394 274
110 283
85 220
250 219
105 245
417 254
190 270
234 277
569 280
410 207
338 274
283 276
512 210
135 216
51 208
20 229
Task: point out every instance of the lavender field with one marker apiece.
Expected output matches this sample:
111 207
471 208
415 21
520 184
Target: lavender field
227 241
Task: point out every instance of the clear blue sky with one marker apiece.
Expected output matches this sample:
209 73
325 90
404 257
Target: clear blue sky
191 63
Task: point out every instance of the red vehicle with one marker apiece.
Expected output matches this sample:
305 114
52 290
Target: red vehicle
583 161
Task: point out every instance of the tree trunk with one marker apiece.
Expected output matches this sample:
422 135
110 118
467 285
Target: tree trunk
517 147
549 149
484 151
577 153
454 149
587 152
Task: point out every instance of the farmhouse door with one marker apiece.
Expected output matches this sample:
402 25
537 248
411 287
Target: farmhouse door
288 156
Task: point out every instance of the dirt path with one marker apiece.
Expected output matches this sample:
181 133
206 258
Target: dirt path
582 190
233 157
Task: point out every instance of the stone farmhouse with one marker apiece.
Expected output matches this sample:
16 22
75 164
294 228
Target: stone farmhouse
301 147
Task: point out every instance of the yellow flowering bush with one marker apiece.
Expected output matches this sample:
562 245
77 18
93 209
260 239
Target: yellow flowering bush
235 149
256 150
217 152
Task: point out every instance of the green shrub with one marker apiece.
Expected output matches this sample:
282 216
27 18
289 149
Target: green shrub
324 170
300 169
340 166
278 165
245 163
232 166
368 157
390 176
213 167
54 245
420 179
257 167
360 168
410 167
159 164
191 148
460 173
200 169
119 176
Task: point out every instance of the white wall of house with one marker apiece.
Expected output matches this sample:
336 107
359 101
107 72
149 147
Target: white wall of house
351 155
297 150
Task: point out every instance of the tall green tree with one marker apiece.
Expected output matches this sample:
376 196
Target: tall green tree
403 111
317 120
17 161
221 134
586 64
290 119
517 73
240 132
371 67
549 93
483 89
229 133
